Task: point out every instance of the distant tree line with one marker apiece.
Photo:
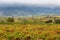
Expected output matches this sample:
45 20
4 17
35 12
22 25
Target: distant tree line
30 21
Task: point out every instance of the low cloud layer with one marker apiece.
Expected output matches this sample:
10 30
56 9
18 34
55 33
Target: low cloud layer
39 2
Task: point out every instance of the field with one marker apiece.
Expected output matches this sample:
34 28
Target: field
33 28
30 32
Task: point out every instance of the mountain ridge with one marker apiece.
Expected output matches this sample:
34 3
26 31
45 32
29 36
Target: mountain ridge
24 10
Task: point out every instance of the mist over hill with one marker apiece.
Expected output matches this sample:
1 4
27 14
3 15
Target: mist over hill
28 10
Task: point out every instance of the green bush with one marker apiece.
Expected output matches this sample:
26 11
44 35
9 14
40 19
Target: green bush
10 19
57 21
48 21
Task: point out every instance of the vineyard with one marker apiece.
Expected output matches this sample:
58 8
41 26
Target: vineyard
30 32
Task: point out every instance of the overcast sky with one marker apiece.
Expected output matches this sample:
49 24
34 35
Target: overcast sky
39 2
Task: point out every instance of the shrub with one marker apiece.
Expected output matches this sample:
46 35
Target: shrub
10 19
49 21
57 21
